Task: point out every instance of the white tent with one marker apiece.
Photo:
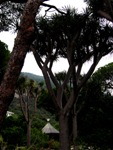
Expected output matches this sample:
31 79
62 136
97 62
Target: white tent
49 129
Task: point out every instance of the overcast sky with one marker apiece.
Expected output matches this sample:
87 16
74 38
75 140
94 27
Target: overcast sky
30 64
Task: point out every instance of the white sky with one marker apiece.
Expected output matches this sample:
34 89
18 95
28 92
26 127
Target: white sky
30 64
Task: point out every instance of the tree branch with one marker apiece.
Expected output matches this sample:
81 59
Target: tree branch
22 44
50 7
104 15
89 73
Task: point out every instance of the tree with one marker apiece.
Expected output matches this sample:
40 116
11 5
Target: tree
102 9
28 92
95 120
81 39
104 76
16 7
4 57
22 44
23 41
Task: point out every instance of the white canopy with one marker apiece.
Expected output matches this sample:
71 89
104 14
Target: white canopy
48 129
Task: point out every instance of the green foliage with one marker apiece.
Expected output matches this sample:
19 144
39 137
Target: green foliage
13 131
45 101
95 123
1 139
21 148
59 30
11 147
54 144
56 31
97 5
3 144
9 15
18 124
4 57
39 139
104 77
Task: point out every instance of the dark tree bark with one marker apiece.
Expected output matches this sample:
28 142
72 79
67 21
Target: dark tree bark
29 133
28 95
75 131
22 43
64 131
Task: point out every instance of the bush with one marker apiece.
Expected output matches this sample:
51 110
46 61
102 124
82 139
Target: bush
54 144
10 147
39 139
3 144
21 148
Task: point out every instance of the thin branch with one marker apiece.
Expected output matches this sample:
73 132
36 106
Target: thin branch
53 78
78 71
37 58
92 68
104 15
68 75
51 7
49 86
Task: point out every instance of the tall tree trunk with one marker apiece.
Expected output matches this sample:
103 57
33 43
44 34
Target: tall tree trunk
75 131
22 43
29 133
64 132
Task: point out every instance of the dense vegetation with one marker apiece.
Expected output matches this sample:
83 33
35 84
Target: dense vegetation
95 122
14 129
4 57
78 38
